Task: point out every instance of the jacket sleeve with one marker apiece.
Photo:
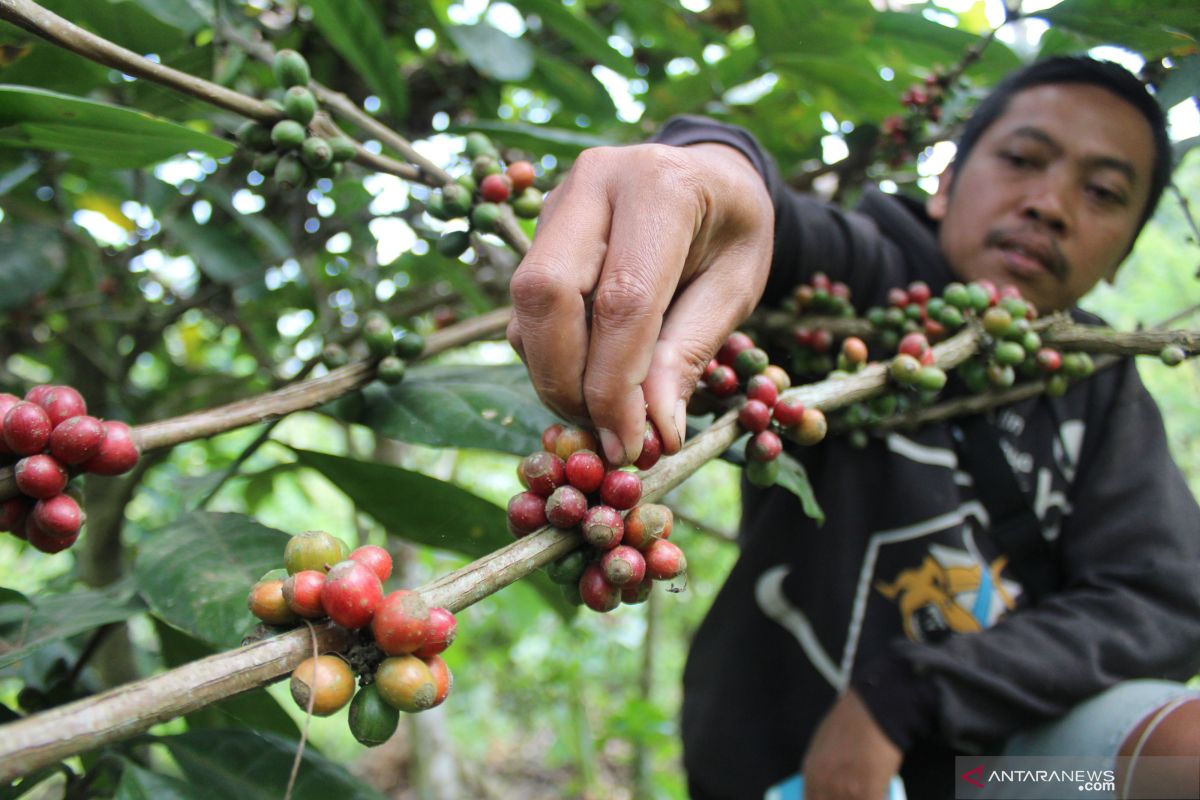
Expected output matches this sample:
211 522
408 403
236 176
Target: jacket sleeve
810 235
1130 605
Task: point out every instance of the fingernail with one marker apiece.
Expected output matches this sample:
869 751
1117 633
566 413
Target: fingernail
614 451
681 420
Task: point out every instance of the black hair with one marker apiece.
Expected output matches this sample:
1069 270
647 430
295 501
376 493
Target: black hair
1084 70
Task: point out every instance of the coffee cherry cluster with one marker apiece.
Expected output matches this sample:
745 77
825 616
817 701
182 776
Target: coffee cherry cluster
740 364
479 193
393 348
288 151
46 437
397 655
900 132
569 486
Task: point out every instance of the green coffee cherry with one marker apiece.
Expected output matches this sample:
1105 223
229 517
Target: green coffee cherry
762 473
255 136
291 69
299 104
750 362
1015 306
289 172
485 217
904 369
876 316
957 295
372 720
1077 365
316 153
265 164
1057 385
980 299
343 148
997 321
1009 353
482 166
568 568
930 379
1001 375
377 334
467 182
528 204
454 243
410 344
333 355
456 200
435 207
287 134
391 370
1172 355
330 170
951 317
478 144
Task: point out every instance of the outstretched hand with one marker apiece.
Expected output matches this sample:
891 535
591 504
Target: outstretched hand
849 757
645 258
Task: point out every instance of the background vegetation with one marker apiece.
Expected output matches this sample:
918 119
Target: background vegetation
160 275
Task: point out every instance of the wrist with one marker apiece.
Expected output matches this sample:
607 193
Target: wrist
902 701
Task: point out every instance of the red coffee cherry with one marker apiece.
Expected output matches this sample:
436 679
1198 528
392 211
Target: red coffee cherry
652 447
62 403
623 566
37 393
1049 360
77 439
40 476
442 678
664 560
495 188
118 453
736 343
526 513
570 440
822 340
919 292
7 401
302 593
585 471
326 680
406 682
812 427
375 557
542 472
762 388
754 416
59 515
550 436
915 345
637 593
621 490
603 527
565 507
440 633
12 514
46 542
351 593
647 523
897 297
788 412
722 381
521 174
764 446
27 428
597 593
401 623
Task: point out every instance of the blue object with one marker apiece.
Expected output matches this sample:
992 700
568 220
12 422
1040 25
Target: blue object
793 789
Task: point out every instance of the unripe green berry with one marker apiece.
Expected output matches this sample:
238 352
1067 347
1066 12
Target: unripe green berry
482 166
951 317
957 296
1078 365
456 200
1015 306
315 153
289 172
435 207
291 69
478 144
1172 355
265 164
287 134
1057 385
485 217
997 321
1031 342
528 204
904 369
1009 353
343 148
333 355
299 104
391 370
467 181
410 344
377 334
255 136
762 473
567 569
1000 375
454 243
980 299
930 379
750 362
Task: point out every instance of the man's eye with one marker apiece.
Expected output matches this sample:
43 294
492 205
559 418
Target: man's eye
1106 195
1016 159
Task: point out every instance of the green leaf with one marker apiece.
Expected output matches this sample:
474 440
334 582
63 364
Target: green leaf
355 31
909 43
491 408
493 52
26 627
806 26
794 478
32 260
95 132
256 709
1169 24
577 89
426 511
1182 82
195 573
588 38
141 784
216 252
255 766
188 16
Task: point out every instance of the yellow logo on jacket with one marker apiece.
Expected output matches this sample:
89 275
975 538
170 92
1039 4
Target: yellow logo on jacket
952 591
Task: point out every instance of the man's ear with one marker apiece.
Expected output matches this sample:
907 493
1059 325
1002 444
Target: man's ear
939 201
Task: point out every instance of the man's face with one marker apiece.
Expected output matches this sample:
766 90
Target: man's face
1050 197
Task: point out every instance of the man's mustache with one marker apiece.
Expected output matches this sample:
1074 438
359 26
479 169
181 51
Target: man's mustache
1032 240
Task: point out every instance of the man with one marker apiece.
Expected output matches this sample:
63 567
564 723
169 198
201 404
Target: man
907 629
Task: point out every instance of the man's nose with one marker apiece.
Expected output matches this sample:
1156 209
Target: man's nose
1047 201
